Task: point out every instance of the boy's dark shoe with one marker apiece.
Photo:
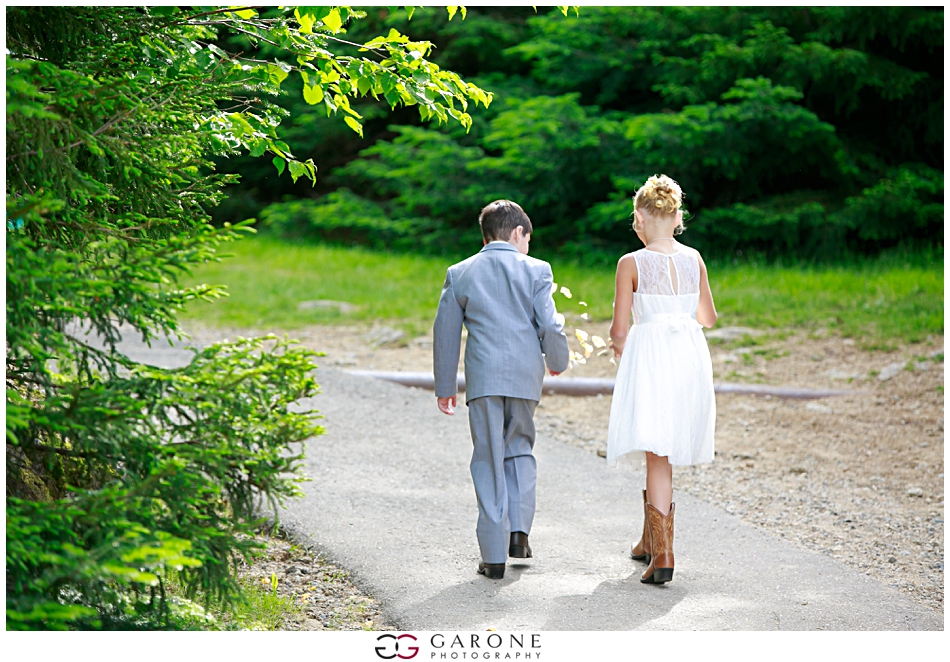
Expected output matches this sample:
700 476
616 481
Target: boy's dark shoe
492 570
518 546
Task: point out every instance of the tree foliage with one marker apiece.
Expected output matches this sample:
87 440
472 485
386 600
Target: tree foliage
119 473
806 132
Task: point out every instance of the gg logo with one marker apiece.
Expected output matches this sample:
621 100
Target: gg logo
385 652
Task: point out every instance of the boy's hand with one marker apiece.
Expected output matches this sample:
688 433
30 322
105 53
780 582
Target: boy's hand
446 404
554 374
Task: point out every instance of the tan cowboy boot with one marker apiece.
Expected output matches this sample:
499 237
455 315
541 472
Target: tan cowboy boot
660 569
641 551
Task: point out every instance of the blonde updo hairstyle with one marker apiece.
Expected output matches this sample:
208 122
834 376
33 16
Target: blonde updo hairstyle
659 198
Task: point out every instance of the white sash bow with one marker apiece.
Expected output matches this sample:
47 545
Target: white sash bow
675 321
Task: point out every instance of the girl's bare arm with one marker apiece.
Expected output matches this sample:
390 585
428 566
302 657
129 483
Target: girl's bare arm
706 312
625 286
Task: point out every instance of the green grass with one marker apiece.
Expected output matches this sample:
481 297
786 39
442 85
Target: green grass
267 279
262 609
259 608
876 302
870 302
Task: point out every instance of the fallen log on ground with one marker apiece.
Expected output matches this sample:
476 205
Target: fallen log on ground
588 386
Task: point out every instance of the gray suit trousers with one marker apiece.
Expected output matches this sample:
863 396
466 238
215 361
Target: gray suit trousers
504 470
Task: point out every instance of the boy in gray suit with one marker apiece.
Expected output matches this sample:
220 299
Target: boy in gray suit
504 299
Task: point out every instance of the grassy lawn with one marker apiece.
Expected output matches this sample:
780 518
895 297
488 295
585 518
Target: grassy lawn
268 278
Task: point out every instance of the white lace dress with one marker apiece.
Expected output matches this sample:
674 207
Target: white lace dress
663 400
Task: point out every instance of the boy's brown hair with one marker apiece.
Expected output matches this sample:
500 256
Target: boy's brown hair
500 218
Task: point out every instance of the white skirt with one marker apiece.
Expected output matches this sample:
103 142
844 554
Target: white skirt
663 400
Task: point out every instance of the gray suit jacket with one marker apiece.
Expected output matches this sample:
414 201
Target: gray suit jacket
504 300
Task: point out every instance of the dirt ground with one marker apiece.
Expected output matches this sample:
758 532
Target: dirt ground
325 597
859 477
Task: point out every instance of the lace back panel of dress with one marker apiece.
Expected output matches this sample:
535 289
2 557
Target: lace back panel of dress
654 276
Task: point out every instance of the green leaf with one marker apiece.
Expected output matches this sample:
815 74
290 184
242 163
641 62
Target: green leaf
217 51
245 13
409 12
306 21
344 103
296 169
333 21
452 11
277 73
204 59
240 126
312 169
395 37
353 124
316 13
392 96
279 163
313 94
163 11
364 85
258 147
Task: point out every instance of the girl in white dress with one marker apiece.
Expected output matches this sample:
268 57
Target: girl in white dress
664 407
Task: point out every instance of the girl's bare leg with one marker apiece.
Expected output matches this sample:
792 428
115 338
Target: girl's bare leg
659 482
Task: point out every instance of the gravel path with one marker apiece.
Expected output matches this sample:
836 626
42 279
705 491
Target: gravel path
859 479
390 500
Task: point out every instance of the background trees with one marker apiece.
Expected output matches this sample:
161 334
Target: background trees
119 474
801 132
